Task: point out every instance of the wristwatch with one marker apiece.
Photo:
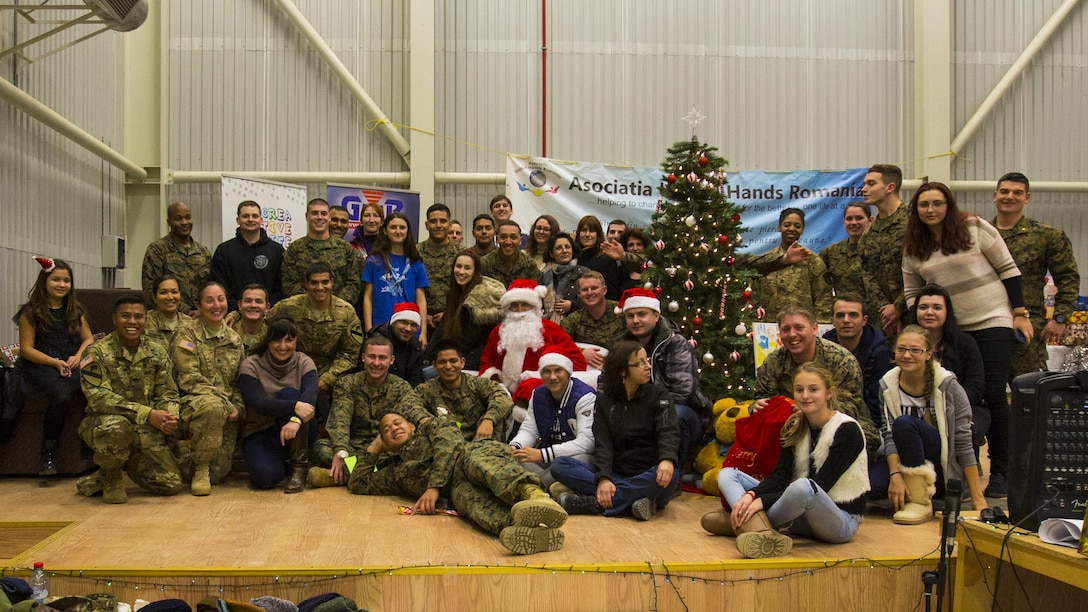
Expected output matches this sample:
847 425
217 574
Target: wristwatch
1059 319
295 419
1024 314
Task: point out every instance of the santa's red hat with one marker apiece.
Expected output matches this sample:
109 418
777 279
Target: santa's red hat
406 311
47 263
524 290
638 298
551 357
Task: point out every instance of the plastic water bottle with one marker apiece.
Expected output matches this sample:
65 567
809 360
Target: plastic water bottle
39 583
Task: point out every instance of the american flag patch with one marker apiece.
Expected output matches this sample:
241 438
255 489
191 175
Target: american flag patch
86 361
187 345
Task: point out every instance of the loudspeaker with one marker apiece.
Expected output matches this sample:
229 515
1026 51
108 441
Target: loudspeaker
1048 447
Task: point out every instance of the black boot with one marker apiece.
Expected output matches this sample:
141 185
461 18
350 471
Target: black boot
299 460
574 503
48 466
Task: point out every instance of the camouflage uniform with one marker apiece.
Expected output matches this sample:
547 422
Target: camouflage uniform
438 261
122 387
493 265
775 377
1037 248
358 407
158 330
881 252
801 282
583 328
251 342
475 400
206 361
190 265
331 337
844 274
346 264
481 478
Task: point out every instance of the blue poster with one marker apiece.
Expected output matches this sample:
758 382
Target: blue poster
354 198
823 197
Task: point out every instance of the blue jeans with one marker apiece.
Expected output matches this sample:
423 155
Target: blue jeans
581 477
264 455
691 431
803 502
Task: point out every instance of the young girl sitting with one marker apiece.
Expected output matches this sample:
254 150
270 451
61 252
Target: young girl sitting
818 486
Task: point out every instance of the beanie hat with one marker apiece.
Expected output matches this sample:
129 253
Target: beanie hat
406 311
551 357
524 290
638 298
274 604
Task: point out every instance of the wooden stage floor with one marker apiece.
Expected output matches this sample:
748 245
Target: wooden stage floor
238 541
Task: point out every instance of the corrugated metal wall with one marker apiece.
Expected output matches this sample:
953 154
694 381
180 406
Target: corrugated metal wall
57 199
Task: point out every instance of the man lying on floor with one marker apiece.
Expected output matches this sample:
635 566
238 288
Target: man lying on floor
482 478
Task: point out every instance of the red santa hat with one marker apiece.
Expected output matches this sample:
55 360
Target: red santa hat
47 263
406 311
552 357
524 290
638 298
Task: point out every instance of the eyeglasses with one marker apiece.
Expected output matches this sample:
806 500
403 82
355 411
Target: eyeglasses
914 351
641 363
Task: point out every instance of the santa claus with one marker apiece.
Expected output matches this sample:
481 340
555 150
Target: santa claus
514 347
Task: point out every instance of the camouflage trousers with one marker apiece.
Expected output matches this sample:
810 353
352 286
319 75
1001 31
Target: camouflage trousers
205 436
140 450
486 479
1027 356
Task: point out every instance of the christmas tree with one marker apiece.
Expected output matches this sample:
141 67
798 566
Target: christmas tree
703 285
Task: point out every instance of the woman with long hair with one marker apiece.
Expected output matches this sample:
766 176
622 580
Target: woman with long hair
560 276
393 274
802 282
634 241
472 308
818 485
53 333
164 320
365 235
279 386
967 256
927 430
596 254
636 441
540 235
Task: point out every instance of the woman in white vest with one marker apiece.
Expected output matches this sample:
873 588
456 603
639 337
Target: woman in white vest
818 486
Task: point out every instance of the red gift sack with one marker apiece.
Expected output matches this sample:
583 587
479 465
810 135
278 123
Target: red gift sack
755 452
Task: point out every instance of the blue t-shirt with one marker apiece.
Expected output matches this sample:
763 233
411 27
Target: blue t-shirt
397 285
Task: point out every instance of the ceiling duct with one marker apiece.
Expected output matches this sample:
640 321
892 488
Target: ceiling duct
120 15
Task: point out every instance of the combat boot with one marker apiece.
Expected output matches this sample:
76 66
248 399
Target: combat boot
536 509
48 465
574 503
113 486
300 460
531 540
921 483
90 485
757 539
320 477
202 483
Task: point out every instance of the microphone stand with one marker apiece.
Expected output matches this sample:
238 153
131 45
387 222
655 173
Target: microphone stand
952 501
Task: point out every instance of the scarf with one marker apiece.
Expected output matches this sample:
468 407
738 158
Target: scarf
275 376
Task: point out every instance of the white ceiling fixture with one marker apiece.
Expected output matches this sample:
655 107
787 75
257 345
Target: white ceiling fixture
116 15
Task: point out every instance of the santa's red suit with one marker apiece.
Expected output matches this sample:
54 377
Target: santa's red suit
522 377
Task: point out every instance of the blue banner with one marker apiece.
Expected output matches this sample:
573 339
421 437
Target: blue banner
823 197
391 200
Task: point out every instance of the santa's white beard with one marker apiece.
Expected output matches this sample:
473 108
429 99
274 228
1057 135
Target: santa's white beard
518 333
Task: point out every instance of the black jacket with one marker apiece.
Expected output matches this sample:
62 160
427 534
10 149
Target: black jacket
408 357
634 435
236 263
674 366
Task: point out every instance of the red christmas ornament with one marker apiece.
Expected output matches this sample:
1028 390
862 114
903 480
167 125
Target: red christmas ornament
688 285
747 295
703 160
697 321
692 342
760 312
731 261
723 240
657 291
736 218
735 356
671 178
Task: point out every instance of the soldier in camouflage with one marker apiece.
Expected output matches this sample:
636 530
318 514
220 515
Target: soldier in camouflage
597 323
132 405
318 245
506 263
1036 248
252 325
329 329
438 253
481 478
784 282
206 358
799 344
178 254
842 260
165 319
881 249
359 402
478 406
